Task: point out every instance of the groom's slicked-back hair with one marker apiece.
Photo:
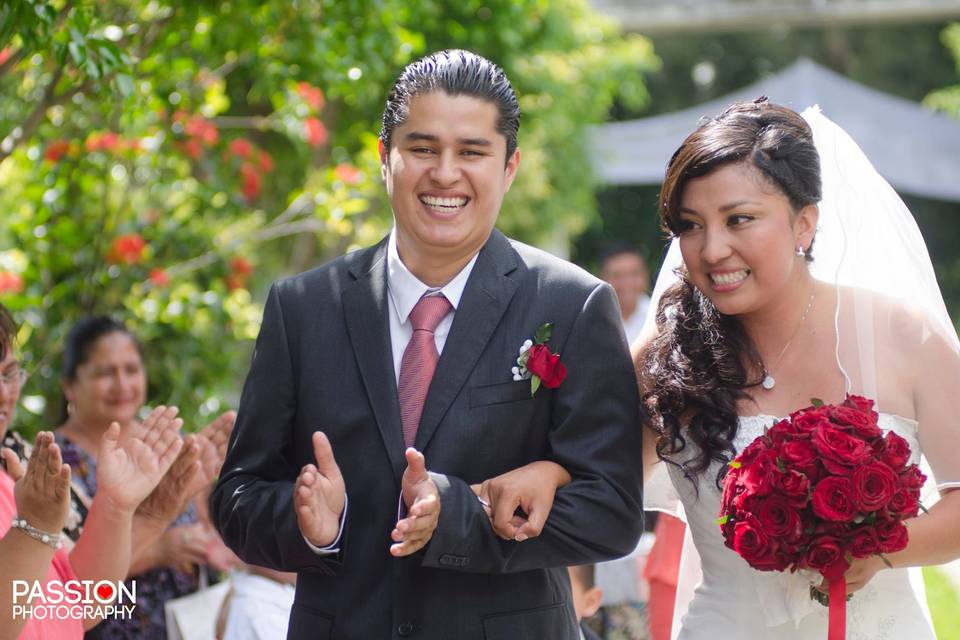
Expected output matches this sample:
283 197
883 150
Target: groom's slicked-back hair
455 72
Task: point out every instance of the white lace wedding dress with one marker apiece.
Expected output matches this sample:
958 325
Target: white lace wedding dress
735 602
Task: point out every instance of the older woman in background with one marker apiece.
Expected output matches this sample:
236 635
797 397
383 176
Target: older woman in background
105 381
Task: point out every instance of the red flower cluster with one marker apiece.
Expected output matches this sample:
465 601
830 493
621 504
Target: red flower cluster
254 163
127 249
819 489
56 150
198 132
104 141
546 366
312 95
159 277
10 282
315 132
240 271
347 173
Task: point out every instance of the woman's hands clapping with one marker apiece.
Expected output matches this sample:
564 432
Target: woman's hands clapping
195 468
131 464
42 490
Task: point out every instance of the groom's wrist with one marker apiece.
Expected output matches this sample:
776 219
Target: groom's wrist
333 546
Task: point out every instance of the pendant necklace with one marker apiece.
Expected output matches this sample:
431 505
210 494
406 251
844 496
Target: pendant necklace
769 382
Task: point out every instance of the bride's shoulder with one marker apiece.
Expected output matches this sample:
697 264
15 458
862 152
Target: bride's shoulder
887 315
906 337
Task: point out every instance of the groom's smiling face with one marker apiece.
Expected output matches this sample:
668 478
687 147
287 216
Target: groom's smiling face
446 174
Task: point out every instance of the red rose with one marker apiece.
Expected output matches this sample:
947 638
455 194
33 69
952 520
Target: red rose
839 451
731 489
798 454
808 422
546 366
778 518
826 555
892 536
912 477
905 503
783 431
795 486
863 425
755 546
758 476
864 542
861 404
794 550
752 450
873 486
833 499
896 451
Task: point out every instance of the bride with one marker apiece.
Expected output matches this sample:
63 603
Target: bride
788 286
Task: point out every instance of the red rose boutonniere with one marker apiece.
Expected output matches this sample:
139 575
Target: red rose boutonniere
537 364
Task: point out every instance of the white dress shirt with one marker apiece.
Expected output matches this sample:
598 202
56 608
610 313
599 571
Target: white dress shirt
633 324
404 290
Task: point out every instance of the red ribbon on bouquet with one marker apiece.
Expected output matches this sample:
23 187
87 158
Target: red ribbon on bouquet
838 610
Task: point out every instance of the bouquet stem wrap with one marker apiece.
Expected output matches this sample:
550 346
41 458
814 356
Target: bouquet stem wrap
838 610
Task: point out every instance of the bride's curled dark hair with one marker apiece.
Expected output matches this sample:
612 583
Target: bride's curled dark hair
702 363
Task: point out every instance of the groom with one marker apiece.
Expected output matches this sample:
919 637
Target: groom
411 343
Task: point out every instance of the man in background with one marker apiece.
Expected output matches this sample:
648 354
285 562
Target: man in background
624 268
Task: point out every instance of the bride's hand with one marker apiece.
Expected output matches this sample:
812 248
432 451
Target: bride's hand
861 572
530 488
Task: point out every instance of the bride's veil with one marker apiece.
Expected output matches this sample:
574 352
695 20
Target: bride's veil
895 342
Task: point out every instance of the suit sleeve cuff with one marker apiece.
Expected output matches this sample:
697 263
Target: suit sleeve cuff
334 547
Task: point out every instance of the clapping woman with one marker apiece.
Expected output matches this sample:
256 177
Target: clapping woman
34 503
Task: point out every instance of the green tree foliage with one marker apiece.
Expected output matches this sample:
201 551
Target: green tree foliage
160 160
939 220
948 98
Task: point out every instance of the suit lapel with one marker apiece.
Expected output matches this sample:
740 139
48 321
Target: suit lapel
485 299
365 303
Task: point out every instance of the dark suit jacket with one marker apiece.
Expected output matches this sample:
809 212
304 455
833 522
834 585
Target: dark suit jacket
323 361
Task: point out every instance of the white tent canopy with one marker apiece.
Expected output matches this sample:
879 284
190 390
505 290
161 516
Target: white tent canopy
916 150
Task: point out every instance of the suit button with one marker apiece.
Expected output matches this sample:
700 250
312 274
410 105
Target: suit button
405 629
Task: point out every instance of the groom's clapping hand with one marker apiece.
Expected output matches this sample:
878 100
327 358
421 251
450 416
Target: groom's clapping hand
422 500
318 495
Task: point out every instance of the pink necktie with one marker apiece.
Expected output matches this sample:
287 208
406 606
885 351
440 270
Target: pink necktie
419 362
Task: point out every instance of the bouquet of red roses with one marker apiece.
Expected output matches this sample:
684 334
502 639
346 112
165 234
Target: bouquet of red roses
818 489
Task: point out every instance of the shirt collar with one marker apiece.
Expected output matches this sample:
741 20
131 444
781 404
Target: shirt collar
406 289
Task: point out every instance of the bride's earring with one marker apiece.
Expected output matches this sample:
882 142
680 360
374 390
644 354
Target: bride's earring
800 253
